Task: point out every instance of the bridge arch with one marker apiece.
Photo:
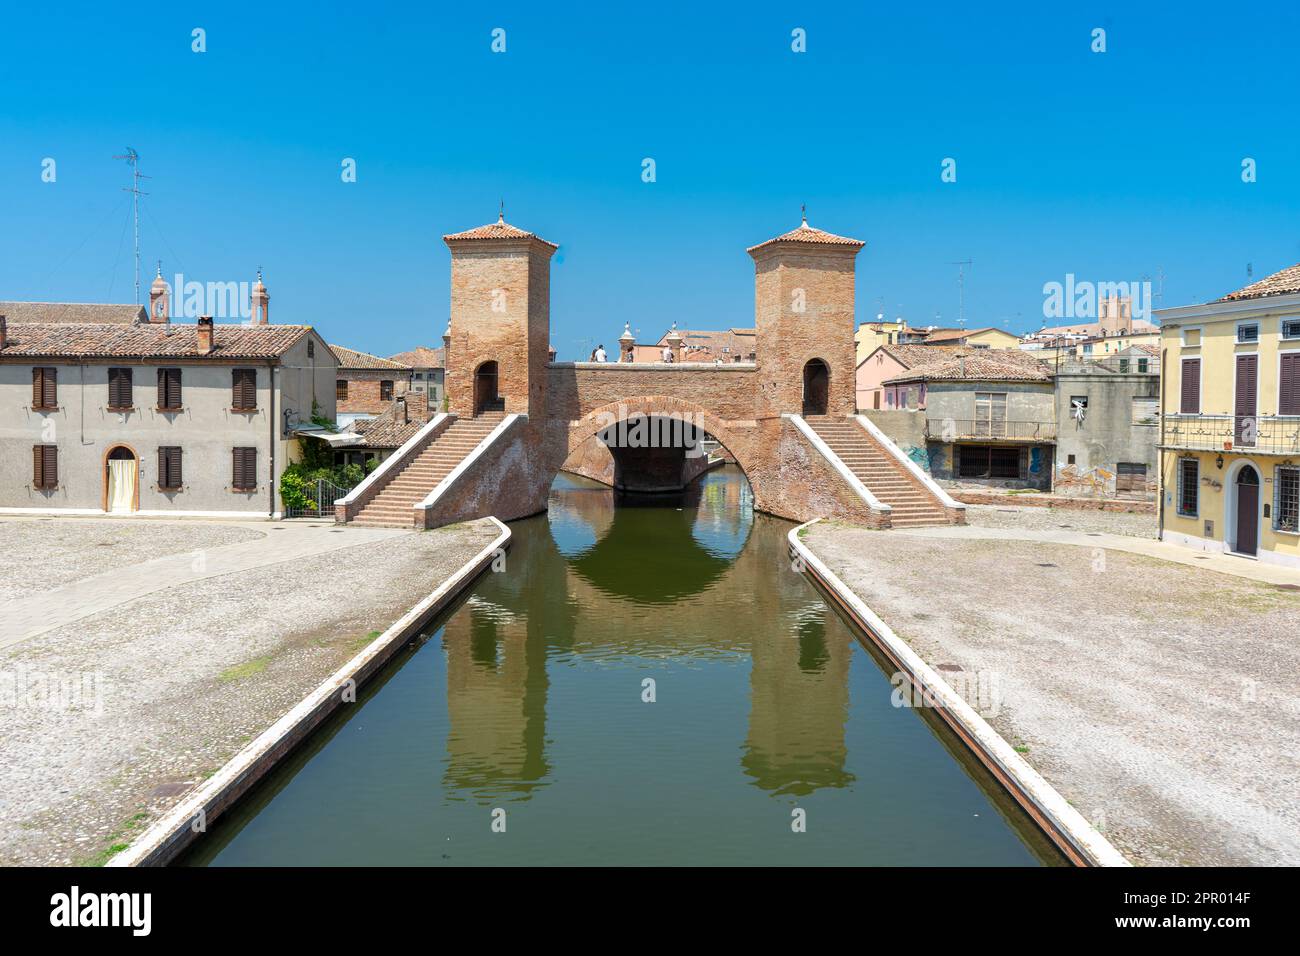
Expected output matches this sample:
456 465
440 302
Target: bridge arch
600 419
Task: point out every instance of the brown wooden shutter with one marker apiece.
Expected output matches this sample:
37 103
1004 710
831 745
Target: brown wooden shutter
169 388
45 466
1288 397
119 388
38 387
244 389
245 469
1191 387
45 390
169 467
1247 381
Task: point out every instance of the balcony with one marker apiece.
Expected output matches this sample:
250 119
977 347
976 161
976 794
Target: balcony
980 429
1262 434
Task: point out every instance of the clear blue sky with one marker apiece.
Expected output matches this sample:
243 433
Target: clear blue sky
1110 166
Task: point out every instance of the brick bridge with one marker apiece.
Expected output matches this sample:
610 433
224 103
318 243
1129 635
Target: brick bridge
515 416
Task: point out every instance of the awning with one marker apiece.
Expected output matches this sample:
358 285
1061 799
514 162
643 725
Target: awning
333 439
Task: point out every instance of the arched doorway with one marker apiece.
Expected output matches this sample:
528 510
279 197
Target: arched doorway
486 398
816 387
1246 493
121 480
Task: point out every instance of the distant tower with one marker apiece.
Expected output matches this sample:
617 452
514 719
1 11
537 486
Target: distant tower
803 314
500 320
159 295
626 344
261 302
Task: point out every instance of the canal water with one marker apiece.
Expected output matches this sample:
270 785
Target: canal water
646 682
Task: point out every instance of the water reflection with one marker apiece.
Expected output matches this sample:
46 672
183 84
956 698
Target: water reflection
645 578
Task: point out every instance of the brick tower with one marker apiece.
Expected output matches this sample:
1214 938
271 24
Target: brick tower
500 313
803 312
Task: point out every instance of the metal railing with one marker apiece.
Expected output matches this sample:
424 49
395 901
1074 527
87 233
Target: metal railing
1266 434
979 429
321 504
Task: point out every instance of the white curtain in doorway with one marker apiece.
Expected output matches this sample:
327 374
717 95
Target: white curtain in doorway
121 484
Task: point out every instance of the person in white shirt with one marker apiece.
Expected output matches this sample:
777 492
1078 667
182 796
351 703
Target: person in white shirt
668 354
600 353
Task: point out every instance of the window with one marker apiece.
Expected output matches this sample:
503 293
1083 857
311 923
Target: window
244 475
169 389
1146 410
1288 386
244 389
1123 365
45 466
1286 498
119 389
1248 332
1189 476
990 414
45 388
1191 338
1190 399
1291 328
169 468
311 348
1069 459
341 390
386 391
1144 366
1004 462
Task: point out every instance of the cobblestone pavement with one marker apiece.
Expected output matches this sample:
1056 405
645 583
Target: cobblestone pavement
1069 519
1159 698
106 723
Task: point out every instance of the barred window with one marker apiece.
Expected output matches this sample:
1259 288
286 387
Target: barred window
1189 477
1286 504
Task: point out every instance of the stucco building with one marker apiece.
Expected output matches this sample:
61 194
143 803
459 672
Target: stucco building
1108 422
366 384
1230 428
428 368
153 418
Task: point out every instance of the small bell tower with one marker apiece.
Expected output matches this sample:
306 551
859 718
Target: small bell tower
261 300
159 299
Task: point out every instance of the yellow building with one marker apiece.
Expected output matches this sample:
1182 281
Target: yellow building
1110 344
985 338
872 335
1230 428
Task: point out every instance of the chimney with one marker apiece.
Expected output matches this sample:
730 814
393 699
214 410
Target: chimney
205 334
403 416
4 331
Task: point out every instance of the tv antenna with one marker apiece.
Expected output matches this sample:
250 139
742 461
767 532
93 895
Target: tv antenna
133 160
961 265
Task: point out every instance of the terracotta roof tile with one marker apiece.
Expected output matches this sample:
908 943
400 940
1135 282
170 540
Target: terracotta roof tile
78 313
419 357
496 230
159 341
1286 282
351 358
808 234
982 365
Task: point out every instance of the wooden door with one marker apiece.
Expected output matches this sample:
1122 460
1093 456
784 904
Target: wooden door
1247 511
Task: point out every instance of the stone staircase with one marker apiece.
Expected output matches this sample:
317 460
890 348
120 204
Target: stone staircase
392 505
913 504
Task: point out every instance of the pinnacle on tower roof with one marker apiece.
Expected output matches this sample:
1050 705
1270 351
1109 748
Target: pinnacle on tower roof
805 233
497 230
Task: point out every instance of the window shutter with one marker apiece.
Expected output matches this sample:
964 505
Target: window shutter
169 388
119 388
162 402
1191 387
38 387
50 466
38 466
1288 399
244 388
45 391
245 468
169 467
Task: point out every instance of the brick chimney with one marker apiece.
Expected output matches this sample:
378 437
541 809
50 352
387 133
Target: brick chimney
4 332
401 414
205 334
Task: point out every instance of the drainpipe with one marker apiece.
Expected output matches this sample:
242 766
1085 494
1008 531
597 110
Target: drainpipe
270 365
1160 455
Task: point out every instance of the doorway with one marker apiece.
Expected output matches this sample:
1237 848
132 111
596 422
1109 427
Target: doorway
486 398
1247 495
121 481
816 387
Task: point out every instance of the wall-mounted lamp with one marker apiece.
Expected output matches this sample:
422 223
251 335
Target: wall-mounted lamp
1218 463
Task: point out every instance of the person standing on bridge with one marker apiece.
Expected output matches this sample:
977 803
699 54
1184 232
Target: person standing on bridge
600 353
668 354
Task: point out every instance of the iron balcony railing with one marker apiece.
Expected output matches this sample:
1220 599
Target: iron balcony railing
979 429
1265 434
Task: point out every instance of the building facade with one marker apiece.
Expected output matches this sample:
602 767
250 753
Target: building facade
155 419
366 384
1108 421
428 371
1230 428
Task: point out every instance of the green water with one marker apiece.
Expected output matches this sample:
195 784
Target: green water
527 698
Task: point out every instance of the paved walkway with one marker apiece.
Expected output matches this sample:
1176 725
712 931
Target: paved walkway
1249 568
34 614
